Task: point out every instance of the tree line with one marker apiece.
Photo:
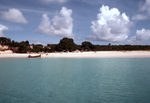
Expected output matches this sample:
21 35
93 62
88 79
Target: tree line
66 45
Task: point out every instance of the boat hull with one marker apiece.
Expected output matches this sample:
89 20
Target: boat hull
36 56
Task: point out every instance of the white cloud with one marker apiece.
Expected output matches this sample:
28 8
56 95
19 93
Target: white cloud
14 15
139 17
60 25
2 28
144 12
110 25
146 6
39 41
54 1
141 35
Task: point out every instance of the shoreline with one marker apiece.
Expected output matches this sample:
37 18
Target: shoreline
91 54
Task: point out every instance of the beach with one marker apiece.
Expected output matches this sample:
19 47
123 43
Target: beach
98 54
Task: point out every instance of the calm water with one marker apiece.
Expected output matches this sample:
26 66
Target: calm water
74 80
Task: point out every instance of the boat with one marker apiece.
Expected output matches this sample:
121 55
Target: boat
34 56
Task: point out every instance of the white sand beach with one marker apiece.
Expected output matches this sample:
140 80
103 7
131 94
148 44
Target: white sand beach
99 54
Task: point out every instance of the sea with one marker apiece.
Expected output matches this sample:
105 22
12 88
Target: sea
75 80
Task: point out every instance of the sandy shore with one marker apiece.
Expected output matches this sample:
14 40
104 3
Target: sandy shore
100 54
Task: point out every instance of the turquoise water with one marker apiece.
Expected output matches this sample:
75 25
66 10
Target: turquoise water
75 80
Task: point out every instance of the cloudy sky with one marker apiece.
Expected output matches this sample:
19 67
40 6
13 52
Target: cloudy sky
97 21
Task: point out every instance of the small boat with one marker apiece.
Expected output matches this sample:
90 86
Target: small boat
34 56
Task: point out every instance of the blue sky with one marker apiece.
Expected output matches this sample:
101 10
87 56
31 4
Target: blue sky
97 21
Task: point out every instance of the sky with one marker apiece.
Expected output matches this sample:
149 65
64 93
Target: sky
118 22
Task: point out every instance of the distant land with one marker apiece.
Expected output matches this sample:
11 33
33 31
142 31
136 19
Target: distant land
65 45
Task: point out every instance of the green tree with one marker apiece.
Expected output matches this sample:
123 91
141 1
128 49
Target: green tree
52 47
5 41
37 48
66 44
23 47
14 44
46 49
87 46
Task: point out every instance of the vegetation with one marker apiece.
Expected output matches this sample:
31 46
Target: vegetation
4 41
66 45
87 46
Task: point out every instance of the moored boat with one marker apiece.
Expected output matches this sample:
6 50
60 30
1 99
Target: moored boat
34 56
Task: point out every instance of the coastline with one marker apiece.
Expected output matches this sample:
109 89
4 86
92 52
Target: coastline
98 54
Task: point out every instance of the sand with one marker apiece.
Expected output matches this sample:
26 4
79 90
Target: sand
99 54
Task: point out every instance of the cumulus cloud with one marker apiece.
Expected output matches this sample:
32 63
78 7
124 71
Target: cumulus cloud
2 28
144 12
14 15
54 1
60 25
110 25
141 35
